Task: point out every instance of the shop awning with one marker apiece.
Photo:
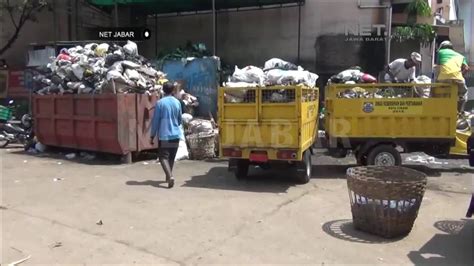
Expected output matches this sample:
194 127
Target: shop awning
180 6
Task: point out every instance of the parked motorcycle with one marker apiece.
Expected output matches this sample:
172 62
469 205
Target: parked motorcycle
21 134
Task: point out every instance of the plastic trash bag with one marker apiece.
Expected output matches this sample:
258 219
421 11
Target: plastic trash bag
250 74
231 84
186 118
78 71
130 64
131 48
279 64
132 74
182 153
101 49
423 91
285 77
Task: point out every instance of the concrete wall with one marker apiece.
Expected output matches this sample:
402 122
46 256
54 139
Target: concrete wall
52 26
466 13
252 37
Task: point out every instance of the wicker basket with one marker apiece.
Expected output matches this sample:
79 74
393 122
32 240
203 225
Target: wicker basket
385 200
201 145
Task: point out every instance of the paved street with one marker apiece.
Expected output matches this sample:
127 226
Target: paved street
51 210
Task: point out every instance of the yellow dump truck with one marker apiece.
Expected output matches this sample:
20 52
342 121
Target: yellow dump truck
265 125
377 128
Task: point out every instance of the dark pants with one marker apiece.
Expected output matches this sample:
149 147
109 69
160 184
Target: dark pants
167 150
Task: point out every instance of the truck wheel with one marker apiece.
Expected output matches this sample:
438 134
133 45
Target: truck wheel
384 155
242 169
304 168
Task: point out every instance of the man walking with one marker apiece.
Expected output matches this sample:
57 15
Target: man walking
451 67
166 127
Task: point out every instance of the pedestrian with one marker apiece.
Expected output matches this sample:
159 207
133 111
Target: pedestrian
451 67
165 125
402 70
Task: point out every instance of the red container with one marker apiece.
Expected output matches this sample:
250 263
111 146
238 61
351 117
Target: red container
110 123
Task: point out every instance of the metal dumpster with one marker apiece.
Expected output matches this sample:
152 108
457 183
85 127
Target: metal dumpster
109 123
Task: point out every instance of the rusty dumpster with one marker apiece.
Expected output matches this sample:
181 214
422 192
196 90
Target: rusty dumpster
109 123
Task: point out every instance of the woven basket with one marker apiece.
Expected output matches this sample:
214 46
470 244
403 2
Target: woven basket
385 200
202 145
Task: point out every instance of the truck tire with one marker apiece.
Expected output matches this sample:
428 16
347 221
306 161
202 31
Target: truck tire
242 168
304 168
384 155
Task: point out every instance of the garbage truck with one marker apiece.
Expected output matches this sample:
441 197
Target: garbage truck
264 126
377 122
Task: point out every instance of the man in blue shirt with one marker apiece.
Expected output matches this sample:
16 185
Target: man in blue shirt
166 126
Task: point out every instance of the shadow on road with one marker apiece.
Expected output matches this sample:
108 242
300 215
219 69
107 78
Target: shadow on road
271 181
153 183
344 230
453 248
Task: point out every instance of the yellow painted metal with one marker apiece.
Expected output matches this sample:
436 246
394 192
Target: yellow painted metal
258 124
460 148
372 118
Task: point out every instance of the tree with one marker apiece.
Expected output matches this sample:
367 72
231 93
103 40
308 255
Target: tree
19 12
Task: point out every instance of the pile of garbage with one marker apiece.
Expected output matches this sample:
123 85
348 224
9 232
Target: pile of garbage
353 75
98 68
275 72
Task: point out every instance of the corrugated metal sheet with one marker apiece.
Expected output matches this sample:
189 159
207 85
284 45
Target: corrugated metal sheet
200 78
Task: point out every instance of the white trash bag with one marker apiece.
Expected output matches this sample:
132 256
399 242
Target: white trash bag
131 48
249 74
182 153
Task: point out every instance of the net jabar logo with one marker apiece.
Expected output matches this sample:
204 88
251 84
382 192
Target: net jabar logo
361 32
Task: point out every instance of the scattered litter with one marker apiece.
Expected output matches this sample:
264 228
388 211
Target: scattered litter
145 163
381 259
70 156
25 161
87 156
59 163
425 159
19 261
56 245
58 179
3 207
32 151
8 150
99 222
260 221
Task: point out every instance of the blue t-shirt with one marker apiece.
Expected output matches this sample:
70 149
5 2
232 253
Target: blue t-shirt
167 119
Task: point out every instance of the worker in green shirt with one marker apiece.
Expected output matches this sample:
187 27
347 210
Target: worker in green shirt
451 67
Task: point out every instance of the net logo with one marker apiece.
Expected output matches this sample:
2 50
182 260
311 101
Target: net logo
367 32
123 34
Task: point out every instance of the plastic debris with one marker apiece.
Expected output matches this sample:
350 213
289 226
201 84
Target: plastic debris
70 156
99 222
58 179
40 147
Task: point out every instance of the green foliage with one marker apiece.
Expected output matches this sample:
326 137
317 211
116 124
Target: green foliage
419 8
424 33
